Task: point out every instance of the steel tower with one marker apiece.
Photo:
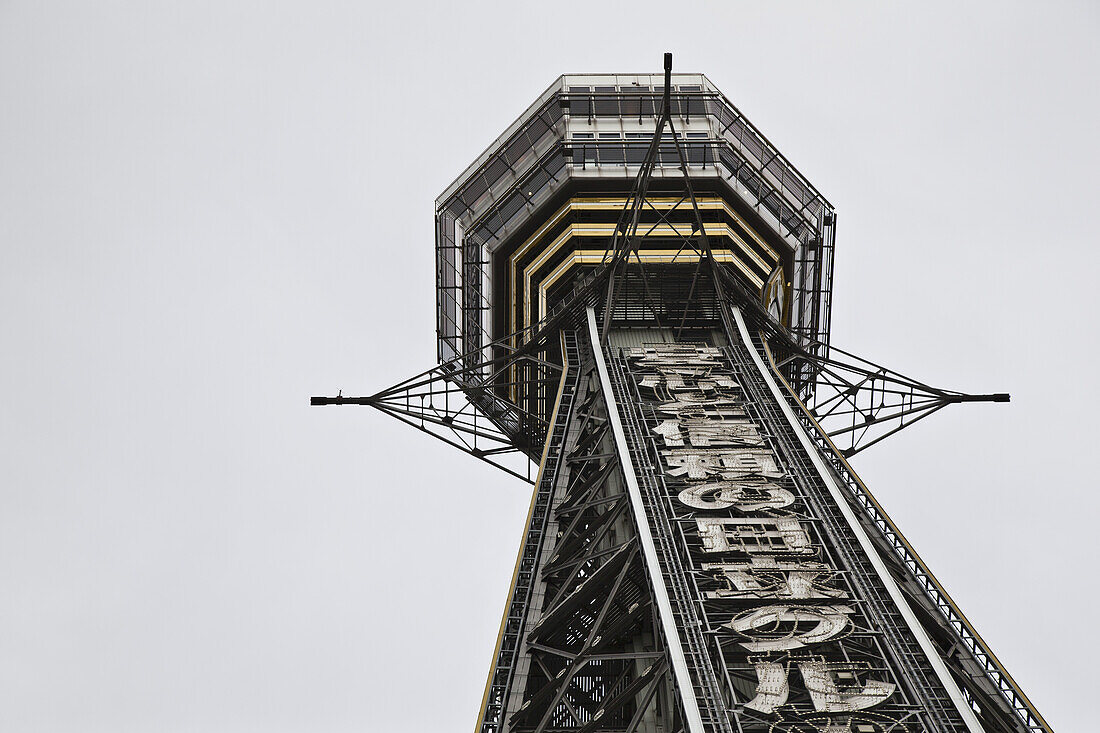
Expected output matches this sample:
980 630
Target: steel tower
634 295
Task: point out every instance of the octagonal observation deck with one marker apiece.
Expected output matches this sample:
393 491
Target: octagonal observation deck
542 201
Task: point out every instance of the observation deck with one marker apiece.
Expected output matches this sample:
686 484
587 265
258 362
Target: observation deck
539 207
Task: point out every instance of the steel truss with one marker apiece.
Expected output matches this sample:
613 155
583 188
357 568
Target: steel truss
536 159
464 401
856 401
626 240
581 648
859 403
984 678
461 401
472 417
583 644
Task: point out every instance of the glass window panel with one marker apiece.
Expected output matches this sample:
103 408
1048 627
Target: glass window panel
556 164
694 152
611 153
752 145
667 154
580 147
606 105
725 117
579 102
494 171
512 206
475 187
550 114
535 183
730 159
536 129
516 150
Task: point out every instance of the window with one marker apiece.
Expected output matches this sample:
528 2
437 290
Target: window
582 150
636 146
606 102
698 150
611 151
580 103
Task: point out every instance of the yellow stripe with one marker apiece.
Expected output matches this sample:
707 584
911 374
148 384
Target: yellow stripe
608 203
668 256
611 203
608 229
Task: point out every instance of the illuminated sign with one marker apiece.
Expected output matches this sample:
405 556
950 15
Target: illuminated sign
773 592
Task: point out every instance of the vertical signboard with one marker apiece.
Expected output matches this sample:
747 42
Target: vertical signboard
791 630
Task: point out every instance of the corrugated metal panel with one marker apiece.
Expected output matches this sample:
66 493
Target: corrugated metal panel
626 337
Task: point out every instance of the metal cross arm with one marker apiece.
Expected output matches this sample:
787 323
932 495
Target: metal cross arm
444 411
460 402
858 403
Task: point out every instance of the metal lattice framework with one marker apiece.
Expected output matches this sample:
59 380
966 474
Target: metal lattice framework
619 619
964 643
553 146
567 657
859 403
627 238
461 406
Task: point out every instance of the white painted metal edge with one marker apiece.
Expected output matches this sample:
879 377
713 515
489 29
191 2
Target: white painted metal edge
808 445
645 539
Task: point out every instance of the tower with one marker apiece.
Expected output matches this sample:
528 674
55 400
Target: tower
633 294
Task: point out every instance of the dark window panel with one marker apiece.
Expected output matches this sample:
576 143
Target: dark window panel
537 129
534 184
494 171
611 153
512 205
516 150
635 152
606 105
579 102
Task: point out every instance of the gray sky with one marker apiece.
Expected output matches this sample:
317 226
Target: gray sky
210 211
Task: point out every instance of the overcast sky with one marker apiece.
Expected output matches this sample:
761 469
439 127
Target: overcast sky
210 211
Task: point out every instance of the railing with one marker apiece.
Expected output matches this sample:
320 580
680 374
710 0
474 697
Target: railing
967 636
